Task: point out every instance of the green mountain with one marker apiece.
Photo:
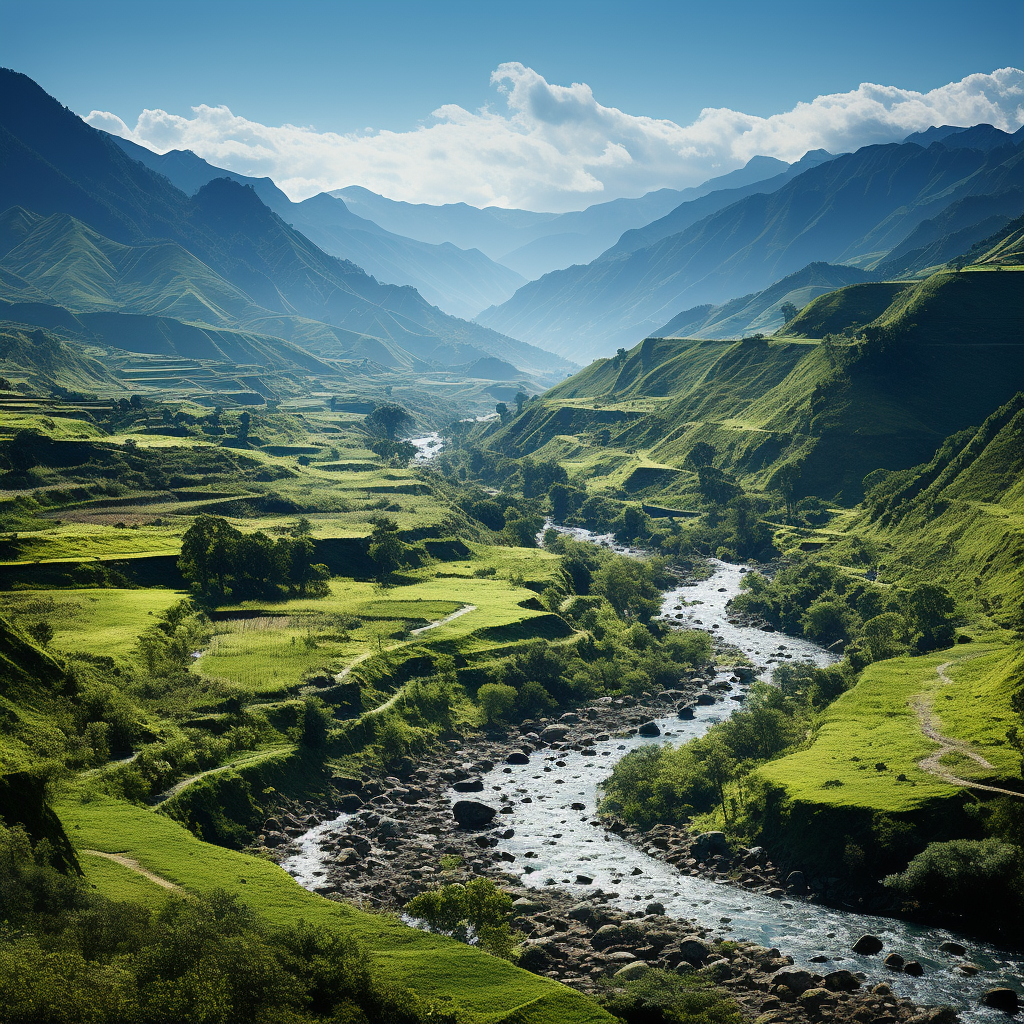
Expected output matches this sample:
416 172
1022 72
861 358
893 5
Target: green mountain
460 281
761 311
853 209
933 358
51 162
959 518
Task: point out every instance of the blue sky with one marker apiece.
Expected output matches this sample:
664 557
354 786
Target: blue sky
344 67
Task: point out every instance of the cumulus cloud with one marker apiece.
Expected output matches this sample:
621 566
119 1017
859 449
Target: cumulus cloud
556 148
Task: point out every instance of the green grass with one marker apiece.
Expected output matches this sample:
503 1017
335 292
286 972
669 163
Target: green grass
875 723
489 988
101 622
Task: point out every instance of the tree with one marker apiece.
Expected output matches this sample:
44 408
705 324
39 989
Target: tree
619 358
719 766
788 311
206 555
521 399
885 636
316 722
244 423
785 481
496 701
386 547
502 410
387 419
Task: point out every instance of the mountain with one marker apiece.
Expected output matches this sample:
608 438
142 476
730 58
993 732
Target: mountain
761 310
51 162
47 363
958 227
979 136
934 358
536 243
461 282
853 209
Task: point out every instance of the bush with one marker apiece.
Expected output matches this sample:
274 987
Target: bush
663 998
477 911
496 701
965 877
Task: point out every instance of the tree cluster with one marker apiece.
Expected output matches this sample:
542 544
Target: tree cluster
221 563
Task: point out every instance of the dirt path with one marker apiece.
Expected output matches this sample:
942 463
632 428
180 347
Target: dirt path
932 763
134 865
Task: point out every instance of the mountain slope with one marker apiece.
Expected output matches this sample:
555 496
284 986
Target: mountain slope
935 358
461 282
52 162
851 209
760 312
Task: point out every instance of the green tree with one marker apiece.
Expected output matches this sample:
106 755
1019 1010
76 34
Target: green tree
207 551
386 547
719 765
316 723
244 424
496 701
502 410
387 419
788 311
521 399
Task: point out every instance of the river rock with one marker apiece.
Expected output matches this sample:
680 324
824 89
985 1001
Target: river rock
686 712
705 699
348 803
953 947
913 968
656 909
894 961
649 729
868 945
632 971
584 880
710 843
605 936
473 814
813 998
469 786
796 882
346 856
517 757
841 981
1002 999
554 733
694 951
795 980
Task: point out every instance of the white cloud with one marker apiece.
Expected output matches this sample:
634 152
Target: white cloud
556 147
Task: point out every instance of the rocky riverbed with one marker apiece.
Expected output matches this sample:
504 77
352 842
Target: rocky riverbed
384 841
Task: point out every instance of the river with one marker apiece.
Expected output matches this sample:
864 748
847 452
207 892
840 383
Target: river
563 842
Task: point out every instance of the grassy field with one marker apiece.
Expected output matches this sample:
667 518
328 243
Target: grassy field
491 989
875 724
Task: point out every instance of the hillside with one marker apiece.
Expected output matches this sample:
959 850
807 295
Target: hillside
53 163
761 311
944 353
852 209
460 281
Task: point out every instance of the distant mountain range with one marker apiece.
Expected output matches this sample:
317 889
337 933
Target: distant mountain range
459 281
90 229
854 209
537 243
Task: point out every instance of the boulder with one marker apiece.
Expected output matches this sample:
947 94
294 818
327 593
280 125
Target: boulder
796 882
346 857
517 757
686 712
1004 999
705 699
554 733
655 908
349 803
584 880
649 729
953 947
605 936
894 961
794 979
868 945
913 968
524 905
841 981
475 785
694 951
813 998
472 814
632 971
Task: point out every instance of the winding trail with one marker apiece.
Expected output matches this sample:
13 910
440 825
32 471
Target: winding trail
133 865
933 762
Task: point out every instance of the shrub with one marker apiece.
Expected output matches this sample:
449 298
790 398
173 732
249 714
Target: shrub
964 877
496 701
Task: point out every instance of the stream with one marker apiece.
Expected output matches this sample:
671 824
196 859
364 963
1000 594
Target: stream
564 843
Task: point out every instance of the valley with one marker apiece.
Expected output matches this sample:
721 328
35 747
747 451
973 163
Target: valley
658 659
